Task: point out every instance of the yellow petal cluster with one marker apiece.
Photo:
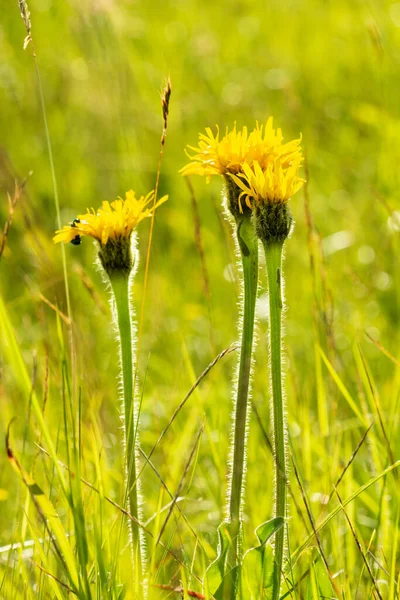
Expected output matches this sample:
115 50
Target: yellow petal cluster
113 220
276 183
228 154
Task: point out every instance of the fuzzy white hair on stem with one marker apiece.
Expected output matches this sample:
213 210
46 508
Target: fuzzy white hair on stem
119 284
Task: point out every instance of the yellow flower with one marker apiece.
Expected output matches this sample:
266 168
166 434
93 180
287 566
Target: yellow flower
113 220
276 183
228 155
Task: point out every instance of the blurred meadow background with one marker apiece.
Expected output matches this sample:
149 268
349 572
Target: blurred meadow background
327 69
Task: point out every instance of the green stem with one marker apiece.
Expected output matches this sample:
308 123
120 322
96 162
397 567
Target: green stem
248 244
120 286
273 255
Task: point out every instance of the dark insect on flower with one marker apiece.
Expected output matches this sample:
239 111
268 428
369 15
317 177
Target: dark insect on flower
77 239
112 221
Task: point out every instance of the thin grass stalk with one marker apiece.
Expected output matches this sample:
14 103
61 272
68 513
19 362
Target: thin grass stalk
273 255
120 285
248 245
25 14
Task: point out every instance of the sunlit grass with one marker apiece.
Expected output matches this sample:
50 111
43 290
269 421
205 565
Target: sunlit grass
328 70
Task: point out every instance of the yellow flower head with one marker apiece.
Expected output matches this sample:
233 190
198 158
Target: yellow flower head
276 183
112 221
228 155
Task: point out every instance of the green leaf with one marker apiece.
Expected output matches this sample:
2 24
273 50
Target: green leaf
257 573
222 576
216 571
227 590
320 585
122 593
265 531
258 563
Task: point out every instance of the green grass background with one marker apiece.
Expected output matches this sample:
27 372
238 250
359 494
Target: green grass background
328 69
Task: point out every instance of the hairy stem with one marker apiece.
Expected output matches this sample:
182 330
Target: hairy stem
120 286
248 244
273 254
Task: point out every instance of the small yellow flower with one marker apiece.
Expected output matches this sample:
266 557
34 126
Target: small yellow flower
228 155
276 183
113 220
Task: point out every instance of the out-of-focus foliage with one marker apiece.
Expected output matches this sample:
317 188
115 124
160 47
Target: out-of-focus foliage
326 69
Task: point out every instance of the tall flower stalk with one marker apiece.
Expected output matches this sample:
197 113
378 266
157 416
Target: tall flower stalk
261 173
113 227
248 248
267 192
120 284
228 155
